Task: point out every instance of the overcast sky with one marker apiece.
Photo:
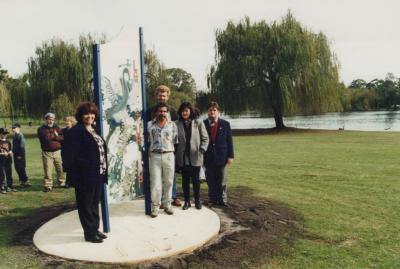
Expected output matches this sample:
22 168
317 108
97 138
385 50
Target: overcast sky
363 34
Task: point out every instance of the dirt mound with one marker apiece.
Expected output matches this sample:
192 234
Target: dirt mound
252 230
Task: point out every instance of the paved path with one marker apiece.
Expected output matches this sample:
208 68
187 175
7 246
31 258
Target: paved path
134 237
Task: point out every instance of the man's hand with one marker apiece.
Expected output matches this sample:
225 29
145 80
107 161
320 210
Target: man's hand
229 161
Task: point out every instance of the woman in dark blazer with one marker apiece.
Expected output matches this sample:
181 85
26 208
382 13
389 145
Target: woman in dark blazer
88 169
193 142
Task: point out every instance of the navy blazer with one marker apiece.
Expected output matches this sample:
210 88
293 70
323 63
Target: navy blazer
219 152
84 166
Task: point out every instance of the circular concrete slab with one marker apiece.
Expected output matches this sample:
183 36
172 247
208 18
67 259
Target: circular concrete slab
134 237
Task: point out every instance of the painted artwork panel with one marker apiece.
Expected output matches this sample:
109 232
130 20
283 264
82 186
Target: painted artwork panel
122 115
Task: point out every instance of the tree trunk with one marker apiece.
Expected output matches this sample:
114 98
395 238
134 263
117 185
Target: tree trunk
278 118
277 105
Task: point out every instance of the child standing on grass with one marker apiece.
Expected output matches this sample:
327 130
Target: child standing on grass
6 181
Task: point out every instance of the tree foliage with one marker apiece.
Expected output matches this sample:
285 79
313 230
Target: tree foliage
274 68
5 103
181 83
376 94
60 68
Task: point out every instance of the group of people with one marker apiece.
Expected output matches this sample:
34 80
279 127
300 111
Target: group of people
51 139
178 141
8 152
54 149
184 142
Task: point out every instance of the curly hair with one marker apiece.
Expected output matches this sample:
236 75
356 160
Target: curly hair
163 88
86 108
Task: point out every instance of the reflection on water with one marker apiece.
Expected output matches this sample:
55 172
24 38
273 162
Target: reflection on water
361 121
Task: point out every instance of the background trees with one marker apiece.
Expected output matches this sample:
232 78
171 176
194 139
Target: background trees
376 94
274 68
60 69
60 76
180 82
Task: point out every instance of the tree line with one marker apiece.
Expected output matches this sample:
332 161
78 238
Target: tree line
60 76
274 69
378 94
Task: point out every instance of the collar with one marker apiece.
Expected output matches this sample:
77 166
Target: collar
216 120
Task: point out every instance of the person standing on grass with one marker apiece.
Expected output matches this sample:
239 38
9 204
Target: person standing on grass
87 169
69 122
18 148
163 136
51 137
193 143
162 95
6 180
218 155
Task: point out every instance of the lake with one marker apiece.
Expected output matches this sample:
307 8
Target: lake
358 121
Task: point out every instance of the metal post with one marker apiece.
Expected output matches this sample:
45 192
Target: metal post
145 155
99 124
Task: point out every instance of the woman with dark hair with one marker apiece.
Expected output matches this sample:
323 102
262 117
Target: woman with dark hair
193 142
88 169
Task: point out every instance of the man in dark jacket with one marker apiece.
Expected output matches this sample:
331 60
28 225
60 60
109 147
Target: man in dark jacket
51 137
162 96
18 149
218 155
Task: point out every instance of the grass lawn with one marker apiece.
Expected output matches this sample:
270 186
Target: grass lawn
343 183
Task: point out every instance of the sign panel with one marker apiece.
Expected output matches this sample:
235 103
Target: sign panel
121 98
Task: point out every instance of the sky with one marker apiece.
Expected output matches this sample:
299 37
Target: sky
363 35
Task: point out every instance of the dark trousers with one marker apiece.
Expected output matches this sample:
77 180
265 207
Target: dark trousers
87 202
216 181
19 165
6 174
191 173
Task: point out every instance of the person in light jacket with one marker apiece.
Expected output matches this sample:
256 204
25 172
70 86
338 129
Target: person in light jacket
193 143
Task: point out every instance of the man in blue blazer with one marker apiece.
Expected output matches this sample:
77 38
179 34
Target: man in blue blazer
218 155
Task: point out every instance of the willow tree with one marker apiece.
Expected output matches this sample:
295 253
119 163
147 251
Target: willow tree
60 68
274 68
5 102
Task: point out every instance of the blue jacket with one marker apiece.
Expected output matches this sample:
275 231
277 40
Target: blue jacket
18 147
84 158
219 152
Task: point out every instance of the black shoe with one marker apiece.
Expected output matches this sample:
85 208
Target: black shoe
101 235
197 204
93 239
223 204
186 205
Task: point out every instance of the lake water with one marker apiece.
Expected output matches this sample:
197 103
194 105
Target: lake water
360 121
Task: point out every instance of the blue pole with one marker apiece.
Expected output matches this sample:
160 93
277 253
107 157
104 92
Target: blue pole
145 155
99 124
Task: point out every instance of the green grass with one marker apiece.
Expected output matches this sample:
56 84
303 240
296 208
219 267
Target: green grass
345 184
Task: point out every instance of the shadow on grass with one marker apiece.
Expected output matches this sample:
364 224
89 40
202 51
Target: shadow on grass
33 218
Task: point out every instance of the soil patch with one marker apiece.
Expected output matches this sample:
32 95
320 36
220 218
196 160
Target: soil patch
252 230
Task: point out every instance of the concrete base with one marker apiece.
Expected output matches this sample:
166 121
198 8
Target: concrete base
134 237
